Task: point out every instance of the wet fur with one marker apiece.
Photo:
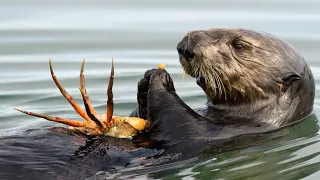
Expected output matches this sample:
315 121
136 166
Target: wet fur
259 80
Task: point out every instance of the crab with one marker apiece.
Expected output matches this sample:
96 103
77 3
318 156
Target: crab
95 124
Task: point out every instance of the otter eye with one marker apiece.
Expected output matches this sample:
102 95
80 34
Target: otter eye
238 45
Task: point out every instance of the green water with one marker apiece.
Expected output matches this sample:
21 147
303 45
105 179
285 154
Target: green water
140 35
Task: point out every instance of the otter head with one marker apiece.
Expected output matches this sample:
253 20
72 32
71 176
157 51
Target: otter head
238 67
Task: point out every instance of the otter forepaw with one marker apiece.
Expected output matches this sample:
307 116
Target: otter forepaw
154 79
160 80
143 87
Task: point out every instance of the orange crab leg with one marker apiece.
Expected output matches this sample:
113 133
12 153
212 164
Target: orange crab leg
82 88
87 104
109 109
65 94
88 110
55 119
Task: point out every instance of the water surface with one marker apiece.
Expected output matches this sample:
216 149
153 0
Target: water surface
140 35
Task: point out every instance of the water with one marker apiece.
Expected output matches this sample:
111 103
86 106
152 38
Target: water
139 35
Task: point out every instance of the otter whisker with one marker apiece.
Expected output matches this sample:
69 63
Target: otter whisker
216 82
219 84
197 70
210 79
222 84
216 77
182 74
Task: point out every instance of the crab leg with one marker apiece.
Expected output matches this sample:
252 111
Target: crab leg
88 110
109 109
91 112
82 88
65 94
55 119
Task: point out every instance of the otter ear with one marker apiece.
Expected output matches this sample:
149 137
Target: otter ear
289 79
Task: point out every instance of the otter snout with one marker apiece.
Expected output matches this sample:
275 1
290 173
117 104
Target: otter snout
190 46
184 50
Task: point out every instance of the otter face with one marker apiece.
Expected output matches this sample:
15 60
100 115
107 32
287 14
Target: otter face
239 66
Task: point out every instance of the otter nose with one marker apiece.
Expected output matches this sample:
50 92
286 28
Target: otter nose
187 53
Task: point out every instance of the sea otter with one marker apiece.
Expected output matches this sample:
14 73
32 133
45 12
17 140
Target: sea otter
255 83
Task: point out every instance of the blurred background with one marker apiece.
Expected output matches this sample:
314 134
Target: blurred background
140 35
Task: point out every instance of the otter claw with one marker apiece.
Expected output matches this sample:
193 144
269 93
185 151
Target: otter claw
95 123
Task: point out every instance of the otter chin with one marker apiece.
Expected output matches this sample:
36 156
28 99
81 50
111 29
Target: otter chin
254 77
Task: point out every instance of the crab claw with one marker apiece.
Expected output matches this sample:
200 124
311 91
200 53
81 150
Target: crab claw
95 124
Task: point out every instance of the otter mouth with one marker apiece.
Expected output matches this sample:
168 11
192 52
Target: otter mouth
201 82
